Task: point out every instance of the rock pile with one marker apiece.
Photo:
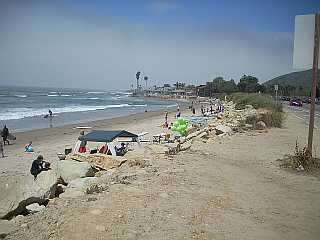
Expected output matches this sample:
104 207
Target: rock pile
232 120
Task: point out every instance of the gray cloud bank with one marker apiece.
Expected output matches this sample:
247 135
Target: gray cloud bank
46 45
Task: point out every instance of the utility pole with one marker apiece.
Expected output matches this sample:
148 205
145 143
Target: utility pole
314 80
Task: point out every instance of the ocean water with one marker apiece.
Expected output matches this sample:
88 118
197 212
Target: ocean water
23 109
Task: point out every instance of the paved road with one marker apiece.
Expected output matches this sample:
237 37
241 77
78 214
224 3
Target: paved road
302 113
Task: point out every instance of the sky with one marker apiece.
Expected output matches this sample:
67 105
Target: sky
102 44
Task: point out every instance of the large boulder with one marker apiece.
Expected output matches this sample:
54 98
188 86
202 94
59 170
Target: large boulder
102 161
81 186
223 129
30 191
70 170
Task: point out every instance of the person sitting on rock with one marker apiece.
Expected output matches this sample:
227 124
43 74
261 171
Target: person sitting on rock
38 166
121 150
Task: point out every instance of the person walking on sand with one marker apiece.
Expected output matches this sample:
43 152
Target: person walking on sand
166 120
5 135
1 148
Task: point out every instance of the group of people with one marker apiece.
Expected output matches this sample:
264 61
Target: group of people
210 111
38 165
166 124
120 151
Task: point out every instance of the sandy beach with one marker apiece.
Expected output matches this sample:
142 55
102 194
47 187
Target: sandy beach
226 188
15 166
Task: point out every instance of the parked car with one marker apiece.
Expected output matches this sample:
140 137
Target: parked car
296 103
284 98
307 100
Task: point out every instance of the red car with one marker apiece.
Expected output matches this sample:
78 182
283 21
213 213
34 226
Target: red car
296 103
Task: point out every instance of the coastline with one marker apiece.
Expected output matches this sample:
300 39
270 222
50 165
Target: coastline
43 133
15 166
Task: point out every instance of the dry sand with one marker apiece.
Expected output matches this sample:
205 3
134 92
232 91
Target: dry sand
227 188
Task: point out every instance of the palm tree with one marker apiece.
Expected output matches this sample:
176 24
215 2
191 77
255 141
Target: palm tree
146 79
137 77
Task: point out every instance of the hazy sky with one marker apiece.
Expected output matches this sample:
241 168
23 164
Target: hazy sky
101 44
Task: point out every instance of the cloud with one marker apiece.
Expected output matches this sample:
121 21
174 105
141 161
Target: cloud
47 46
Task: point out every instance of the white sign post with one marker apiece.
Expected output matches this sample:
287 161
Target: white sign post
306 56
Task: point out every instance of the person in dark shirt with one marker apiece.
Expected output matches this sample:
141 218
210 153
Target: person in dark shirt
1 148
38 166
121 150
5 134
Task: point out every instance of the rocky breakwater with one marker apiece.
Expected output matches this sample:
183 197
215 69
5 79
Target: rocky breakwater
225 124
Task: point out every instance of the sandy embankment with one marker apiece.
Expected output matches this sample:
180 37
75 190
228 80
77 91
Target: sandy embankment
15 166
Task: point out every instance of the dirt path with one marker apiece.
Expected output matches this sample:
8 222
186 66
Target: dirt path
228 188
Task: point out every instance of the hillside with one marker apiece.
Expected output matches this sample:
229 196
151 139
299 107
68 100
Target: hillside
294 79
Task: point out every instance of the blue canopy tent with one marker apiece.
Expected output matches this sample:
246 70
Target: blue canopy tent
107 137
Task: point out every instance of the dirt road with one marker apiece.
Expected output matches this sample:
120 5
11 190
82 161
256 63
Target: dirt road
227 188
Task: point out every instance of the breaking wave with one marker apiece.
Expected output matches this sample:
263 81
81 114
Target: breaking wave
19 113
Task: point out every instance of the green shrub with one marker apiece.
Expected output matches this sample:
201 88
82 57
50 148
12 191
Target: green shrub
272 118
254 99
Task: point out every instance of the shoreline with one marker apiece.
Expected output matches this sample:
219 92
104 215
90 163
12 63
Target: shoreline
26 117
84 118
69 129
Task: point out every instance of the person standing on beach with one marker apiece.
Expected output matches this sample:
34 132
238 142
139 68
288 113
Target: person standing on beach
166 119
1 148
202 110
178 113
5 134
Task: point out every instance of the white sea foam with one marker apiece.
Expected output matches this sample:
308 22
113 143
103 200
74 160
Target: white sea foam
139 105
85 98
96 92
173 105
20 95
19 113
58 95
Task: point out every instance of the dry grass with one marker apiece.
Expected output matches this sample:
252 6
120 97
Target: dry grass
301 161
